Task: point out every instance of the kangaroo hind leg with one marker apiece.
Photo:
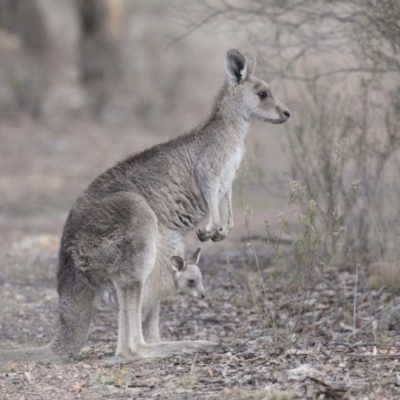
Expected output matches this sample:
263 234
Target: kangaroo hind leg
130 336
138 255
129 292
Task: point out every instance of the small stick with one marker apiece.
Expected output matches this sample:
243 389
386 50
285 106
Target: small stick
376 356
354 302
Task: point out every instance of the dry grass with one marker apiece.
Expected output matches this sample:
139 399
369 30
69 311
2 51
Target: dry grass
385 274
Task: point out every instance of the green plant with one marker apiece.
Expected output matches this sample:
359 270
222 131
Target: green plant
100 379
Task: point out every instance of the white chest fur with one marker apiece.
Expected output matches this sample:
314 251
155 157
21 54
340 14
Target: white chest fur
229 170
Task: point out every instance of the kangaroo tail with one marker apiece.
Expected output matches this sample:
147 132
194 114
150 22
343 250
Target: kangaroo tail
75 314
45 353
71 335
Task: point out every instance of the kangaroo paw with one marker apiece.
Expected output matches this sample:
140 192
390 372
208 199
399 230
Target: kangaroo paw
219 235
204 235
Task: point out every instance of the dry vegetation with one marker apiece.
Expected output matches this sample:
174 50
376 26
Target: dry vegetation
304 295
339 346
334 350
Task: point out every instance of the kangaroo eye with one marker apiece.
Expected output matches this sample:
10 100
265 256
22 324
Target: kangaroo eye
191 281
263 95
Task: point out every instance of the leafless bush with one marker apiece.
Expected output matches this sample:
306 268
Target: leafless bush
338 192
314 247
344 137
311 40
286 33
348 190
377 32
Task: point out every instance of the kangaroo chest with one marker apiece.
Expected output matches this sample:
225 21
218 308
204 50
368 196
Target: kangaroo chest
230 168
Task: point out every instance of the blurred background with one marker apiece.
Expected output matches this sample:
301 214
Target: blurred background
84 83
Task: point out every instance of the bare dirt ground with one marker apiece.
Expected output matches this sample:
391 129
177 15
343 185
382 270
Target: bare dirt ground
340 348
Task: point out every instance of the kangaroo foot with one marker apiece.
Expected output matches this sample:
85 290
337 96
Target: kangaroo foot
204 234
192 346
119 360
166 349
163 349
123 353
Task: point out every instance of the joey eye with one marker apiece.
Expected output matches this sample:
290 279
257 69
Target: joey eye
190 281
262 95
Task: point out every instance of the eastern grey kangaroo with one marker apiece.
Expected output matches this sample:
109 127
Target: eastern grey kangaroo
133 217
185 276
163 282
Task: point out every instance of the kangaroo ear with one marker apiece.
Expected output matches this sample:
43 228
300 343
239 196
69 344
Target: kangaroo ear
194 259
177 264
250 62
236 66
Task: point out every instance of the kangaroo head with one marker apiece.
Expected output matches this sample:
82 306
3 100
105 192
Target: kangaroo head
187 274
250 96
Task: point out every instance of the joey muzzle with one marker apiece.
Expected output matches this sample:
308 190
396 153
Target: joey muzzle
202 292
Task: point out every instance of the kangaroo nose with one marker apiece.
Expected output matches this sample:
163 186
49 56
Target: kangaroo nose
286 113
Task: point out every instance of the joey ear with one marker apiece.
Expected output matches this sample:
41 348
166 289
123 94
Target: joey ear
194 259
236 66
177 264
250 62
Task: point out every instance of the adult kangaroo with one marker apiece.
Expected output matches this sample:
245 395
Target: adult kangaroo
134 216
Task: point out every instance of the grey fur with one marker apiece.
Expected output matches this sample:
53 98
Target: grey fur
163 282
131 220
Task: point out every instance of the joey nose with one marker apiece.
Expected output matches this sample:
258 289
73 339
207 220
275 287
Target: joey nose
202 295
286 113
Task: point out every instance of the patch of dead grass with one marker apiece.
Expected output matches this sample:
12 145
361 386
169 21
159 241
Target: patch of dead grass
385 274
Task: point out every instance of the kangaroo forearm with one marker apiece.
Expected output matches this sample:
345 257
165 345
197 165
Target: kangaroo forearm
213 221
209 186
226 208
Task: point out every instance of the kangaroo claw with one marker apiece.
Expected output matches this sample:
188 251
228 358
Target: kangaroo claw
219 235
